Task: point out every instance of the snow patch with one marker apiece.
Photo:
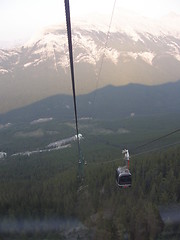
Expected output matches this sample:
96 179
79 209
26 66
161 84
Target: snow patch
174 50
61 144
3 155
133 34
29 153
132 55
3 71
112 55
90 52
28 64
177 57
145 56
5 125
41 120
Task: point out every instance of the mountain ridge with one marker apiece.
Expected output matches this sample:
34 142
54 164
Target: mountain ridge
109 102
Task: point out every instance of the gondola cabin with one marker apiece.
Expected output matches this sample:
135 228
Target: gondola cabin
123 177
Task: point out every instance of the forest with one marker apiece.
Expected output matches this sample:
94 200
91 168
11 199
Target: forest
41 196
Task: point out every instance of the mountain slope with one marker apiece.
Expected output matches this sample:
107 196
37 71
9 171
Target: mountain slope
139 50
107 103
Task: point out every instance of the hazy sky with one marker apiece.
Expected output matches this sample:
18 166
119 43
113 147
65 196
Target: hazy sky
19 19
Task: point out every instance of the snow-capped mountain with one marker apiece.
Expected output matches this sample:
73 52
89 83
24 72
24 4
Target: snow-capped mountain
138 50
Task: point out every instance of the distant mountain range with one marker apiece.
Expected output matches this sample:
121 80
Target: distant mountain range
139 50
107 103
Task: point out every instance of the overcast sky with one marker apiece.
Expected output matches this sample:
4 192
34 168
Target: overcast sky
19 19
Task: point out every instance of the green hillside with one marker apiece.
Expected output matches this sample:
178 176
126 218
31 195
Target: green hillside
40 192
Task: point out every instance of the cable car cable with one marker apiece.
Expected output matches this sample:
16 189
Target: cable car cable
103 56
137 154
69 35
156 149
143 145
157 139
